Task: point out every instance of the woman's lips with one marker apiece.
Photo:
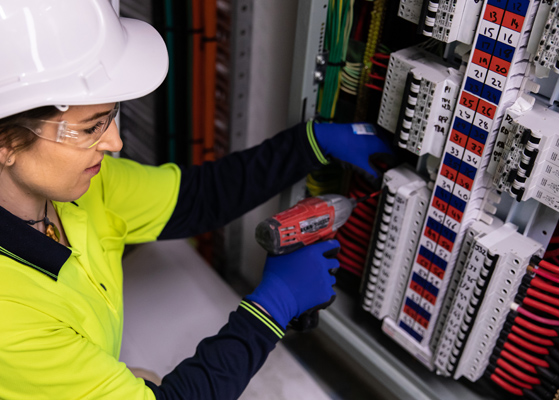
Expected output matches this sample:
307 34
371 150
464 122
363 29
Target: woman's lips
94 170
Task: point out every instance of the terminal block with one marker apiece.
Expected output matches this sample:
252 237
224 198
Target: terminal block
397 229
528 165
418 100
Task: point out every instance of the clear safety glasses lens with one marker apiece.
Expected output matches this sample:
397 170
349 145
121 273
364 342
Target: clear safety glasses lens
84 135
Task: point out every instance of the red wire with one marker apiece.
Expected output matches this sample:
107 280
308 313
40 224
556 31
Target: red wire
351 257
548 299
359 26
375 62
525 356
375 87
348 261
363 241
508 387
362 190
537 318
535 328
529 336
362 225
352 270
350 224
516 372
364 215
547 275
349 265
377 76
368 205
381 55
345 242
369 208
542 307
358 258
527 345
512 379
359 193
549 266
541 284
518 361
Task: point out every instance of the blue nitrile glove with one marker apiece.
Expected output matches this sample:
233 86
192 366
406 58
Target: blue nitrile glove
357 144
296 282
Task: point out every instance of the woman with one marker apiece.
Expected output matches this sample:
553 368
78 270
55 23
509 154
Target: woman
67 211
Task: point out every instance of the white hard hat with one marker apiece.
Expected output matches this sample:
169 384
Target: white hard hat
76 52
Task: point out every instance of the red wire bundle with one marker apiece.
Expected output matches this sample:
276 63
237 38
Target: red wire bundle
355 235
526 359
378 71
552 251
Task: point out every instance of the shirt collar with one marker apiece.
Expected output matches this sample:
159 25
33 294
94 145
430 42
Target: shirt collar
30 247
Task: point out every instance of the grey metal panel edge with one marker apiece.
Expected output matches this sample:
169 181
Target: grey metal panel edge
309 42
242 15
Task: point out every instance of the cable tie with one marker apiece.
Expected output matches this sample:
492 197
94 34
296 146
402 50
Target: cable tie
337 64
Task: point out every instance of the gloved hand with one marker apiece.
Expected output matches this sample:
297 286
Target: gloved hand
358 144
296 282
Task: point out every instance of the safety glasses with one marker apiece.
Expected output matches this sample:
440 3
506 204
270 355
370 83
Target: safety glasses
85 135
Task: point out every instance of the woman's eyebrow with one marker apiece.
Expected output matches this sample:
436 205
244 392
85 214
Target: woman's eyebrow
96 116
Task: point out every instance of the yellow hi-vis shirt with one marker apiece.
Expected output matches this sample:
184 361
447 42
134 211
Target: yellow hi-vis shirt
60 309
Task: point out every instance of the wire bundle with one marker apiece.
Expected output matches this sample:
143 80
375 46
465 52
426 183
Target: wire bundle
379 67
525 361
375 28
338 28
350 77
355 235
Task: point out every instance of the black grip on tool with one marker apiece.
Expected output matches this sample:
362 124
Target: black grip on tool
309 319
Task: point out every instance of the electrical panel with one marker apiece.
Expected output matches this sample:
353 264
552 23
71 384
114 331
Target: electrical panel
462 261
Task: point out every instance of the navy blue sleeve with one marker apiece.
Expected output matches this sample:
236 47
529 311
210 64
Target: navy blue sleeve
215 193
223 364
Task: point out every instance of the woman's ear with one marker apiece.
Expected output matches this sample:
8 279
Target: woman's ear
7 157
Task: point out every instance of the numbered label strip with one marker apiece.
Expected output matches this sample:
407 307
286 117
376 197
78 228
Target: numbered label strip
498 35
